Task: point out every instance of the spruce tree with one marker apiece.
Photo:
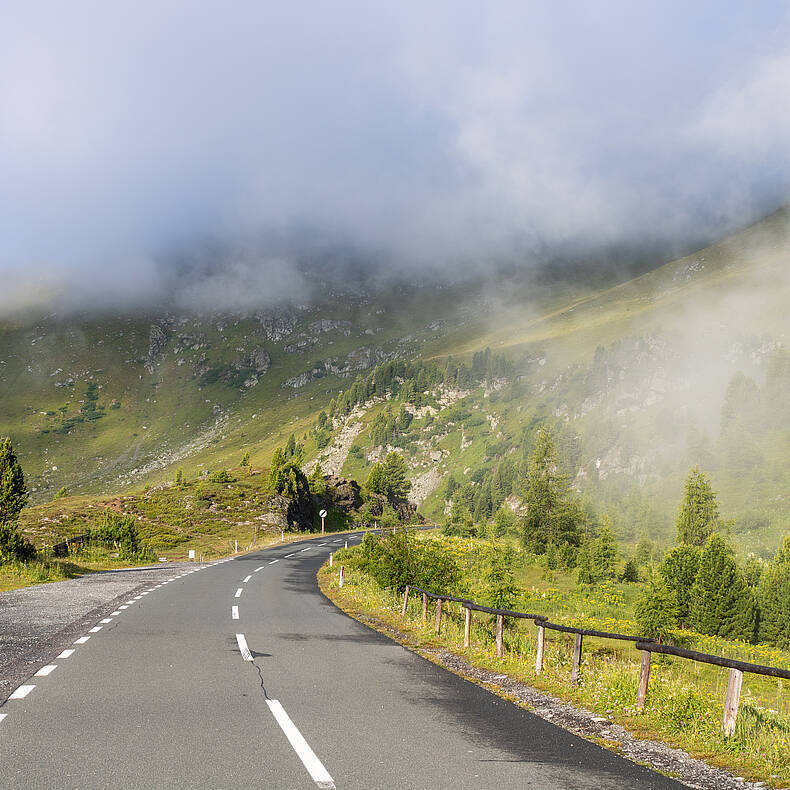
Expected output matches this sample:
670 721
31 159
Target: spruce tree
655 610
13 491
774 599
13 497
553 513
679 571
699 512
721 603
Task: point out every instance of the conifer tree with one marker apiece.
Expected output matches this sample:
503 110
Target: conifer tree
721 603
586 572
13 497
774 599
679 571
553 513
13 491
699 512
655 610
604 552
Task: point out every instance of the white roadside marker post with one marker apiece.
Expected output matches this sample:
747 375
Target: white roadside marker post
331 558
341 575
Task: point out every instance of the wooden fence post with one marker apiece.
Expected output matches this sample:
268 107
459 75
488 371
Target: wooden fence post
539 654
438 615
500 627
424 608
644 677
731 702
341 575
468 628
577 659
405 601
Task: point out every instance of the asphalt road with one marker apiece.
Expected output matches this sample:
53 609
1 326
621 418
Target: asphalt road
180 690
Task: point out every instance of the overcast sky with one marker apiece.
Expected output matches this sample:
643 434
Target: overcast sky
432 134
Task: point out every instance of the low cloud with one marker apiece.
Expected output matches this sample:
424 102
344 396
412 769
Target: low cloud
418 138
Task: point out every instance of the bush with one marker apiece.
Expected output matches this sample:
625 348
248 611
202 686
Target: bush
394 561
120 533
221 476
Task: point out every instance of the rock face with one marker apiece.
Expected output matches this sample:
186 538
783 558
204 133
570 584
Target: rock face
287 514
343 493
406 510
157 340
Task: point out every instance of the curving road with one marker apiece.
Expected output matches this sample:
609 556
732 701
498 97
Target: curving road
241 674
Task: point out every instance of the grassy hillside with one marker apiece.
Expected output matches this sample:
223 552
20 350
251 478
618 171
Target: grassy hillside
639 381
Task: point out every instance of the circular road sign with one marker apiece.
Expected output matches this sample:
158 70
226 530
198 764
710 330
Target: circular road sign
322 513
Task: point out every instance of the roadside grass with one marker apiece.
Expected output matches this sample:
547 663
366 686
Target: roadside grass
685 700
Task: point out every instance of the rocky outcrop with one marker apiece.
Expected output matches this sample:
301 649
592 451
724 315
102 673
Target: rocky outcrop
157 341
277 325
343 493
289 514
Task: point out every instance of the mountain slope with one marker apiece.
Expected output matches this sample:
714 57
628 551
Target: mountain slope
638 381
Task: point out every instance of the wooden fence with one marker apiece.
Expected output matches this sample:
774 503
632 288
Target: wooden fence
646 645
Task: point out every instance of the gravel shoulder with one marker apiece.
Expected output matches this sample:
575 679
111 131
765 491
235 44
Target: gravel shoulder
38 622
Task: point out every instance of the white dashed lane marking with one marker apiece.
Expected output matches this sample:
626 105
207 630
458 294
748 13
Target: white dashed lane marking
67 653
107 620
258 569
44 671
243 649
308 757
82 640
21 692
273 561
2 716
234 612
95 629
246 579
239 592
288 556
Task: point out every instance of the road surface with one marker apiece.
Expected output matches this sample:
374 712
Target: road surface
242 674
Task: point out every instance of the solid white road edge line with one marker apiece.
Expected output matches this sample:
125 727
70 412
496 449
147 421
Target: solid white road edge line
21 692
239 592
308 757
234 612
44 671
243 649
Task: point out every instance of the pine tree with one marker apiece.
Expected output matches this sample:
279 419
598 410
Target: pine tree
553 514
699 513
389 478
679 571
721 603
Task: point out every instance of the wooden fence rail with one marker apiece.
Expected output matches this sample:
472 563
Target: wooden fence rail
644 644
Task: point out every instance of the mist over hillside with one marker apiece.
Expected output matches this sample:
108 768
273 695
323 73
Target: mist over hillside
685 365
